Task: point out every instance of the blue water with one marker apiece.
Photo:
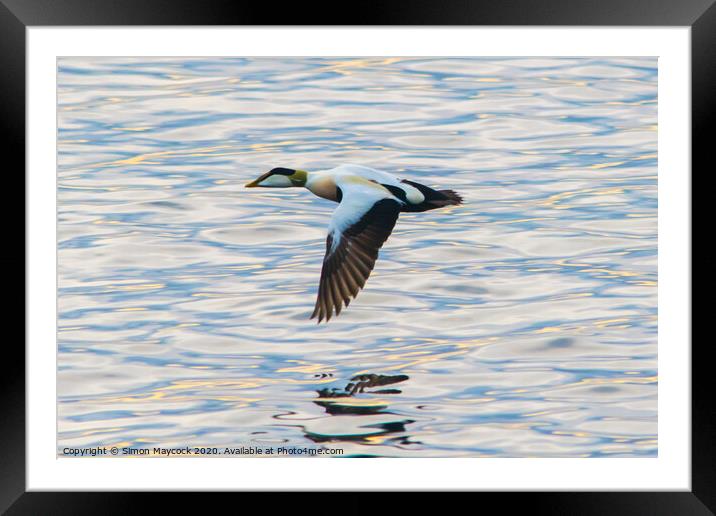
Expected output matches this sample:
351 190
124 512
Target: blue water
521 324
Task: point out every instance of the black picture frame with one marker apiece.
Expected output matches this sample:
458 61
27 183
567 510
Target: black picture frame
17 15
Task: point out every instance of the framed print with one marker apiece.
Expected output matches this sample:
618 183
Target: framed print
452 241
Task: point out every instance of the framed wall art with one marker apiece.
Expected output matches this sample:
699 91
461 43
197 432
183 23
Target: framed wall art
439 247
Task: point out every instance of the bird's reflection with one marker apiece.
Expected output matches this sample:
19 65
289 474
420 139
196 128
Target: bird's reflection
362 396
358 385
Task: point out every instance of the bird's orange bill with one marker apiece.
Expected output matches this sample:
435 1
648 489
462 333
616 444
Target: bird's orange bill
255 182
347 267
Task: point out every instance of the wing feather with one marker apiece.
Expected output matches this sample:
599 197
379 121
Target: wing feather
359 227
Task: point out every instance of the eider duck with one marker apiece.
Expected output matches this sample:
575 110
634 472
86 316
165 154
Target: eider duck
369 202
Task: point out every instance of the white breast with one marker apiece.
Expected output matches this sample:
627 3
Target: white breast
323 185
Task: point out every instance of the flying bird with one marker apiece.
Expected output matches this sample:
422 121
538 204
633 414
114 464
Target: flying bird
369 202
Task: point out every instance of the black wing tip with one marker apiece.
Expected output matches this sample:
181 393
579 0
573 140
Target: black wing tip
320 315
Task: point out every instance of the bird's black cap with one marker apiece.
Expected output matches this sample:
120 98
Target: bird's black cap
282 171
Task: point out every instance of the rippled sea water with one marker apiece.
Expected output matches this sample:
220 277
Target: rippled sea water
521 324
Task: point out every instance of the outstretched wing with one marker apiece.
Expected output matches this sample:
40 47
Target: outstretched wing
360 225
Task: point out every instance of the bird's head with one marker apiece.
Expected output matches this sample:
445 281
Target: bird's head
280 178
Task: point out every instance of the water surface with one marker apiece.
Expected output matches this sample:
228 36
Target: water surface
522 324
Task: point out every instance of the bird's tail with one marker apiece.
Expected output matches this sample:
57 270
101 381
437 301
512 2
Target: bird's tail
452 198
442 198
433 198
